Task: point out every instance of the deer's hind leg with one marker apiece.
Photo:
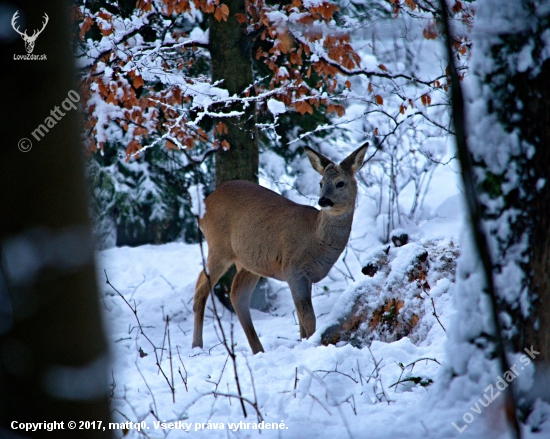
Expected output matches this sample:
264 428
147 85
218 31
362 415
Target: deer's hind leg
216 269
241 292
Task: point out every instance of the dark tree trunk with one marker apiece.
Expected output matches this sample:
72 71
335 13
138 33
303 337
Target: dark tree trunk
53 355
232 64
230 49
512 177
535 95
520 99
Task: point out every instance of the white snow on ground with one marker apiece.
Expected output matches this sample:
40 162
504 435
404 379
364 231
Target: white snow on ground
302 389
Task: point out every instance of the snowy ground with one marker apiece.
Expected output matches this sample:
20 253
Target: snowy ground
301 388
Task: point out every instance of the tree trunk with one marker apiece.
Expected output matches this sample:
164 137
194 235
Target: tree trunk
509 145
230 50
232 64
53 354
535 95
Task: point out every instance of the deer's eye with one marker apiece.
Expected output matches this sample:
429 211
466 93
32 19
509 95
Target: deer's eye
340 184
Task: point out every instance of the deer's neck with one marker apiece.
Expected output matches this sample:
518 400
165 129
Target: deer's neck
334 231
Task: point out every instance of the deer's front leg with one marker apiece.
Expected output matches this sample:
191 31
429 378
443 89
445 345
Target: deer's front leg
300 287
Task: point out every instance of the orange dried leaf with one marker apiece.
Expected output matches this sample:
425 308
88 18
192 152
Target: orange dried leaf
183 6
170 145
370 87
338 109
426 99
411 4
104 15
303 107
382 67
225 145
138 82
306 20
379 99
221 13
221 128
348 84
105 31
376 131
145 5
430 32
286 42
241 18
225 10
86 26
296 59
207 7
132 148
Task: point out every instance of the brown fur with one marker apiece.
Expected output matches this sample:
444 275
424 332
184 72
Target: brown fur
265 234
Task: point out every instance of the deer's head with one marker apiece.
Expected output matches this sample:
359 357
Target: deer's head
29 40
338 186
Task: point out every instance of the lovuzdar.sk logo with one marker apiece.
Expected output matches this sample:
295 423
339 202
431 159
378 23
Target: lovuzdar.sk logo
29 40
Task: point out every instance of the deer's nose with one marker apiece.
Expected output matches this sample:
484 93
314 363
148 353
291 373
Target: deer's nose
325 202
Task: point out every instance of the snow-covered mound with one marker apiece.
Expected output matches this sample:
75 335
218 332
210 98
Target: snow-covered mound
402 294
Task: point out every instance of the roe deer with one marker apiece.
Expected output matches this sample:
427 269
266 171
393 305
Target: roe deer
266 234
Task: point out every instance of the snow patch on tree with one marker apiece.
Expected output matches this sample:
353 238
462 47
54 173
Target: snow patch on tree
196 192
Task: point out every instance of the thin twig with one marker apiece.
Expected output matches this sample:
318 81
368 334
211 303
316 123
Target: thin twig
217 383
171 365
140 326
337 404
435 314
240 398
149 388
183 365
337 371
359 371
409 365
253 386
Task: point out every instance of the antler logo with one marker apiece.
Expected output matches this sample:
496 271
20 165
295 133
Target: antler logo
29 40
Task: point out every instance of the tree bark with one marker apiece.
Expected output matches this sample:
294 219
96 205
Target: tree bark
511 180
53 354
230 51
535 94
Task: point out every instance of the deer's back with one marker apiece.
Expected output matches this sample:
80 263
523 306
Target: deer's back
258 228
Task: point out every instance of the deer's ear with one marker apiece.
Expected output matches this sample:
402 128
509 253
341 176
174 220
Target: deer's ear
318 161
355 160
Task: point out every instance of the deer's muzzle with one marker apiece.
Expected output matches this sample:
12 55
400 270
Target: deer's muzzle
325 202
